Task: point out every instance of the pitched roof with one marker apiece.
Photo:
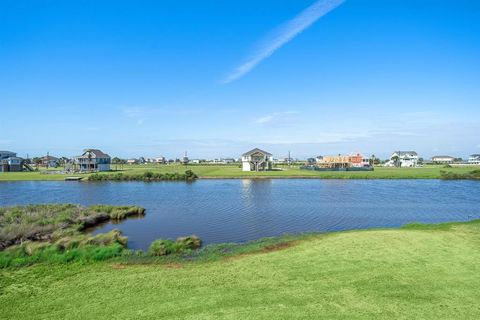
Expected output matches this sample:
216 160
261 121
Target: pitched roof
49 158
403 153
246 154
97 153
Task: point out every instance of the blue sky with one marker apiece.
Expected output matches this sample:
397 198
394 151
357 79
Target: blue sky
150 78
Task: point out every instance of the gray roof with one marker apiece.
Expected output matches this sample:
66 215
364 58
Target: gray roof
246 154
443 157
475 155
403 153
49 158
97 153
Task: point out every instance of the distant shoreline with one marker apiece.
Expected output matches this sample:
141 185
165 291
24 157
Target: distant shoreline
208 172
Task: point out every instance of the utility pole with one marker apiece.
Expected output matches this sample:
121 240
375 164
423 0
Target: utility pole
289 160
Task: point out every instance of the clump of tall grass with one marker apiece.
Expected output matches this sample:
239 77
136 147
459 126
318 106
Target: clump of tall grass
472 175
163 247
119 212
102 239
146 176
78 248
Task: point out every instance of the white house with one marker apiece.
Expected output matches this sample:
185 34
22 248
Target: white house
257 160
160 160
474 159
403 159
443 159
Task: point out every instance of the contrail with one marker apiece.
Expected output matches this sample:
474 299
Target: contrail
283 35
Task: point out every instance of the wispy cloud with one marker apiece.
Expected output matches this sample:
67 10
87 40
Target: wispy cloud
277 118
284 34
5 141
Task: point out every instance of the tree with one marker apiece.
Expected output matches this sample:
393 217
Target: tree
395 159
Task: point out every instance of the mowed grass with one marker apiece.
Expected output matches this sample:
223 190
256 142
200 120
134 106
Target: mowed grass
410 273
234 171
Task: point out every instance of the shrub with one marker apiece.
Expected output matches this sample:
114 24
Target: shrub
191 242
106 239
161 247
189 175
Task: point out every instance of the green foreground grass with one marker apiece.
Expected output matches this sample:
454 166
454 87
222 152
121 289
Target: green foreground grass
416 272
233 171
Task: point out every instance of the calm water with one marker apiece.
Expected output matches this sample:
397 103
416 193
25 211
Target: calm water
241 210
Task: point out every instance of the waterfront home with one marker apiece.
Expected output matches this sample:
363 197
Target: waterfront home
359 161
132 161
7 154
185 159
222 161
9 162
50 161
160 160
92 160
257 160
319 159
403 159
356 160
443 159
474 159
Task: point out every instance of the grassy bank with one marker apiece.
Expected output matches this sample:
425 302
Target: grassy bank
229 171
416 272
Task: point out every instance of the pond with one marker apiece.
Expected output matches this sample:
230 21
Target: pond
241 210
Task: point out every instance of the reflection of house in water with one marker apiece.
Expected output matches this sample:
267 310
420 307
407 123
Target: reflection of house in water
256 160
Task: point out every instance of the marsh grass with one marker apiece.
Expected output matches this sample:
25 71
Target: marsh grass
50 222
471 175
163 247
146 176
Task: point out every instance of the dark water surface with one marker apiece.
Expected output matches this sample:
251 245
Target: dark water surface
241 210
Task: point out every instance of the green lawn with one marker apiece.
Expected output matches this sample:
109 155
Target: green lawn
223 171
415 273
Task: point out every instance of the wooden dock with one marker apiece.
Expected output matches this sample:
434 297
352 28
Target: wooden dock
73 178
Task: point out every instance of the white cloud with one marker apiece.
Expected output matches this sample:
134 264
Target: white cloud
283 35
264 119
278 118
